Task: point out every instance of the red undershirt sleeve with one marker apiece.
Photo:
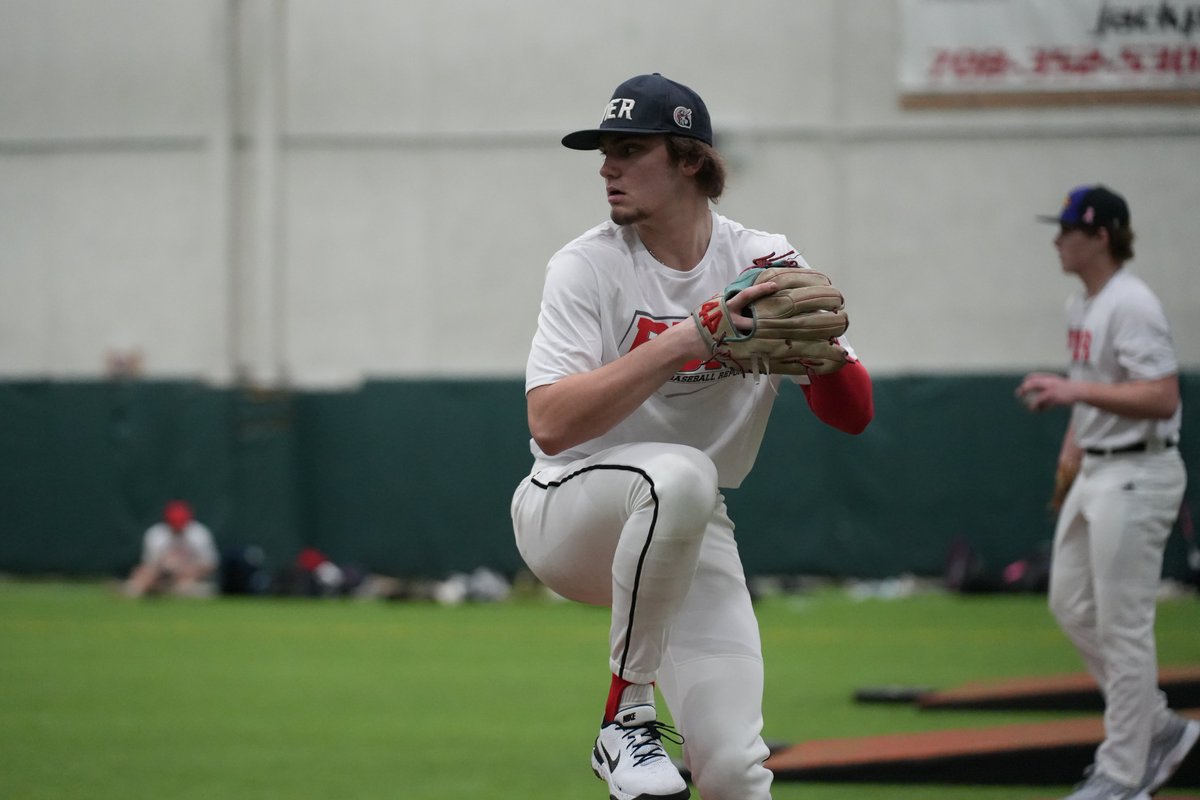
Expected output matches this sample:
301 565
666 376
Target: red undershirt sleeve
843 399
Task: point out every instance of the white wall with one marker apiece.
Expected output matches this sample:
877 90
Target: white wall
323 191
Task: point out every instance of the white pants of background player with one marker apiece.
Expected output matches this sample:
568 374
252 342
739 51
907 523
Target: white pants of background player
643 528
1108 552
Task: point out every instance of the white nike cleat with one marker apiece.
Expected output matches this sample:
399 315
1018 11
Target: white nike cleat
1167 751
1099 786
629 756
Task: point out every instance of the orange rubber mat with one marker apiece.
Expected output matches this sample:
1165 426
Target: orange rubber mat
1075 692
1029 754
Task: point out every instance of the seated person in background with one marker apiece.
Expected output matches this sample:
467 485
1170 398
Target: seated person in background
179 557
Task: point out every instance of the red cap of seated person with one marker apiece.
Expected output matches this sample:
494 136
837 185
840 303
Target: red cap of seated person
177 514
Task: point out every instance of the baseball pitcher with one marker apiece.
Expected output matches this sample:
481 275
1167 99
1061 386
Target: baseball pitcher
664 336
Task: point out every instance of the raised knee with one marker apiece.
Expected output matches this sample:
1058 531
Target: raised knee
685 476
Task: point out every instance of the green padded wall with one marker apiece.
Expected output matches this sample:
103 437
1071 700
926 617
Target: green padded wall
414 477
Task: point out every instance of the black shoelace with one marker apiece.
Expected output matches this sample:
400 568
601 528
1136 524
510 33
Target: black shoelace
646 741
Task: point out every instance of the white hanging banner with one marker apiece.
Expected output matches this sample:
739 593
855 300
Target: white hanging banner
1024 47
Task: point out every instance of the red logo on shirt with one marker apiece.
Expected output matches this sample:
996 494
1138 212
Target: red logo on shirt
1079 343
647 328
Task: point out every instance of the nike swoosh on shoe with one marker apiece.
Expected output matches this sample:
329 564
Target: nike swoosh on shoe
612 762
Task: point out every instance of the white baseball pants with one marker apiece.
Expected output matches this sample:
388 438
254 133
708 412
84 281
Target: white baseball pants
643 528
1107 562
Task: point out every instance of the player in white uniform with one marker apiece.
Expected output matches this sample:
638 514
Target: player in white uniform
1123 389
635 433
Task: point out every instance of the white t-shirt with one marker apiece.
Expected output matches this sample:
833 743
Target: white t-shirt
1121 334
195 544
605 294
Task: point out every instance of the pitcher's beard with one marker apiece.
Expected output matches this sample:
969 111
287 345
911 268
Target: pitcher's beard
627 217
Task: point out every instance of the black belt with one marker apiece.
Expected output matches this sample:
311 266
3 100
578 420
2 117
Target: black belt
1139 447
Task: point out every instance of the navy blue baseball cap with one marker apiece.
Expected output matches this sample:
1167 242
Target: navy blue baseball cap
648 104
1092 206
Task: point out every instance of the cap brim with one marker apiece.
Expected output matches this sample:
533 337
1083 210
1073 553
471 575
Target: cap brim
582 140
590 139
1053 220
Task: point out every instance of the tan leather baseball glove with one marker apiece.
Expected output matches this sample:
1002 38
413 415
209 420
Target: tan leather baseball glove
795 327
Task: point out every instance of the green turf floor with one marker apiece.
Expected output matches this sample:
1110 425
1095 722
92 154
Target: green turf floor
104 697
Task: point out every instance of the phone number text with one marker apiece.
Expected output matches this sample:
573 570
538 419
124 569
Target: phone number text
1053 62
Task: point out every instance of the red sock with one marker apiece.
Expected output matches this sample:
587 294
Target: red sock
614 698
